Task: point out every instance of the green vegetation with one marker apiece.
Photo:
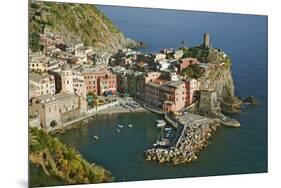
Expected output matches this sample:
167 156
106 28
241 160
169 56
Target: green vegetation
34 44
75 22
191 72
59 163
199 53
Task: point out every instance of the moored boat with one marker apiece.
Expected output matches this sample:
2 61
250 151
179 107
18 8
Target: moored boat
160 123
120 126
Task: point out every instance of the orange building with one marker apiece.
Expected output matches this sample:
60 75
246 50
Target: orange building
169 95
99 81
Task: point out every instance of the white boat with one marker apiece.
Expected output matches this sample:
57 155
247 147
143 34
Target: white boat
164 142
118 130
130 125
96 137
160 123
168 129
120 126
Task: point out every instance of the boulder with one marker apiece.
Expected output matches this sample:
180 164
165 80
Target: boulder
250 100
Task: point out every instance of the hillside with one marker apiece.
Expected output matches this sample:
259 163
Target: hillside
78 22
53 163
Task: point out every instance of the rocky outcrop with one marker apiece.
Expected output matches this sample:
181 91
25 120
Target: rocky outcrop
220 80
250 100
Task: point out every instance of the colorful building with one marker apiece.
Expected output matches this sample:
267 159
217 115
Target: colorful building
173 95
99 81
191 86
186 62
169 95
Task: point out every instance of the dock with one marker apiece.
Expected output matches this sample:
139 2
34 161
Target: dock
191 137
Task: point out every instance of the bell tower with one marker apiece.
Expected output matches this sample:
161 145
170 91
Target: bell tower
67 78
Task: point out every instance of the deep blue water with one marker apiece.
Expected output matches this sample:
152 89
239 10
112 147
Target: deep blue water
232 151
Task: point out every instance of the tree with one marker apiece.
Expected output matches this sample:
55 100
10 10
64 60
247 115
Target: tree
188 72
34 44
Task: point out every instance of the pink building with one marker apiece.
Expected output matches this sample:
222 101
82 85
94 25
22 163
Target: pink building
185 62
169 95
174 96
191 87
107 83
152 92
99 81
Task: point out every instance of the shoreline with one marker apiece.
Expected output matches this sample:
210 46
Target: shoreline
82 121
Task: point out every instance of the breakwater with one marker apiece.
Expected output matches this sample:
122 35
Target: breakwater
195 132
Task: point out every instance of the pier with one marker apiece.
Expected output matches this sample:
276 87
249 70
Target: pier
192 134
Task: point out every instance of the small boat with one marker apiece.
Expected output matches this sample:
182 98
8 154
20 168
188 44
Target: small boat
168 129
130 125
164 142
160 123
96 137
120 126
118 130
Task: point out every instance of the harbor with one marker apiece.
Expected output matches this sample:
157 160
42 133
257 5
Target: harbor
190 137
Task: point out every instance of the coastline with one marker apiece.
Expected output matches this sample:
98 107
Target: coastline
81 121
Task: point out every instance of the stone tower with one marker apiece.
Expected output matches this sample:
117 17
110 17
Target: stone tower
67 78
206 40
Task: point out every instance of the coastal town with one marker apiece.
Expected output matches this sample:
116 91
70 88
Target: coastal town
69 83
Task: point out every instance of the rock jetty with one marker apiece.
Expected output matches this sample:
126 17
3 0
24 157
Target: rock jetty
194 137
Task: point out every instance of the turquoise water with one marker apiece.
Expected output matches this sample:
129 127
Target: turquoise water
232 151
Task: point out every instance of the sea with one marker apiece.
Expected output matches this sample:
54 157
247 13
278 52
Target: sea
231 150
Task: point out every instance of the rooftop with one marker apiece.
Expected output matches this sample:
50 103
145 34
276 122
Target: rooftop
46 99
175 83
66 67
37 77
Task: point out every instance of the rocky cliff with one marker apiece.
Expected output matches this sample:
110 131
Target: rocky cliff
219 78
78 23
221 81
